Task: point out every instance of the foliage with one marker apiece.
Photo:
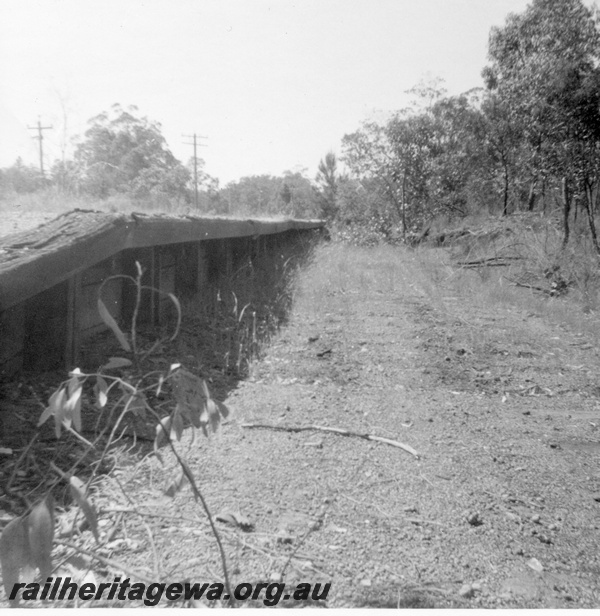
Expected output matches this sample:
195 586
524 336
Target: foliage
26 542
423 161
544 74
292 195
328 181
20 178
124 153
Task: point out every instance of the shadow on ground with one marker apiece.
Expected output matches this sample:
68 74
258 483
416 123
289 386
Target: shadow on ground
222 334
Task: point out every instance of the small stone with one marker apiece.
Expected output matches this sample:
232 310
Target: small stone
466 591
526 412
284 537
316 444
553 527
275 577
519 552
536 518
365 582
535 564
474 519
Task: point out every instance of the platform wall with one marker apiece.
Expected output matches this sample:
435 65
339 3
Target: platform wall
52 329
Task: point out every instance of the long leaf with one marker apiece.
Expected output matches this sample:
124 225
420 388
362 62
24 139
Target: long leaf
40 530
56 401
14 553
176 484
101 391
110 322
78 491
73 407
162 429
179 313
116 362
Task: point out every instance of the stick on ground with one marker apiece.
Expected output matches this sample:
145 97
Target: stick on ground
340 431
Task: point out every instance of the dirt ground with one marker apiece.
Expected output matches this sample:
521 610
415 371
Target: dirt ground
14 220
499 510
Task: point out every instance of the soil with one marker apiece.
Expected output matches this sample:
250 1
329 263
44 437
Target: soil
15 221
501 508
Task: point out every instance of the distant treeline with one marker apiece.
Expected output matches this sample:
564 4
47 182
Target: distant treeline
530 139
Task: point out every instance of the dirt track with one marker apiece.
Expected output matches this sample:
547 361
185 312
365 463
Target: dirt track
501 509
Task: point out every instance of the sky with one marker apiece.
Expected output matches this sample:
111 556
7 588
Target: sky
273 85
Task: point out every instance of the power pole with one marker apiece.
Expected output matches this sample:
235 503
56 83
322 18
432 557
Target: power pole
196 144
40 138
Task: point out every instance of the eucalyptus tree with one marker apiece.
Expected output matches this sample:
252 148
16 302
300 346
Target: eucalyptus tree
328 180
124 153
544 73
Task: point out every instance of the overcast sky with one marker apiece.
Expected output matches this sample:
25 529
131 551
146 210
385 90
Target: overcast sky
273 84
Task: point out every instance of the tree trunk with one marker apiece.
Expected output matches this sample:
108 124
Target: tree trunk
531 198
588 205
505 202
544 196
404 205
566 209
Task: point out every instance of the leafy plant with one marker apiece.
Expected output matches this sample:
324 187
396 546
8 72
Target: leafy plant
26 542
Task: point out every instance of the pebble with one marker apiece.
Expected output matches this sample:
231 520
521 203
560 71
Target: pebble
536 518
474 519
466 591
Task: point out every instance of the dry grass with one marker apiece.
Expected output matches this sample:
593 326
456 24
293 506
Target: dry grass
433 273
534 244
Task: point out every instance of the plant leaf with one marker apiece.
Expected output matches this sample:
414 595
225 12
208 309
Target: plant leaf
176 426
223 409
176 485
101 392
116 362
162 429
59 410
14 553
40 532
213 414
179 313
78 492
55 402
73 406
161 380
110 322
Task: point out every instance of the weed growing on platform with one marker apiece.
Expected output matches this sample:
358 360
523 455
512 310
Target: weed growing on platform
27 541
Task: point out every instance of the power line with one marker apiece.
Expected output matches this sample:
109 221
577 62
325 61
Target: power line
196 145
40 138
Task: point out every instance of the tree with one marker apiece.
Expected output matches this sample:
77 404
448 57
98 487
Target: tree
327 180
123 153
544 71
292 195
21 178
370 157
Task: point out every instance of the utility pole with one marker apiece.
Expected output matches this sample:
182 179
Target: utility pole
40 138
196 144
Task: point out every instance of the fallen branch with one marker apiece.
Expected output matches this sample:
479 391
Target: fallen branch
530 286
340 431
489 261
